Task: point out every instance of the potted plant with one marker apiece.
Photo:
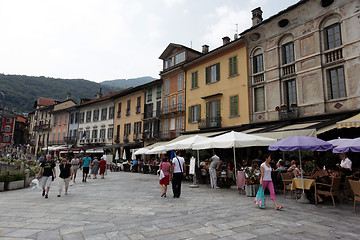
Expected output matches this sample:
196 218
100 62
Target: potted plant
251 182
283 107
293 105
277 108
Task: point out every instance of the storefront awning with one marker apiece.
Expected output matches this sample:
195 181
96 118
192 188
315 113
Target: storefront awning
350 122
288 133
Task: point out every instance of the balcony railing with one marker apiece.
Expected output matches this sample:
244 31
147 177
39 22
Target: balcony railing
333 55
136 137
56 142
211 122
170 134
117 139
41 127
150 135
173 109
126 138
258 78
290 113
152 114
288 69
70 140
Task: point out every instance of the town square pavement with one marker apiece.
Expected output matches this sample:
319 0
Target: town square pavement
128 206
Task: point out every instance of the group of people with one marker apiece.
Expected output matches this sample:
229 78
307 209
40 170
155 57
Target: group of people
68 171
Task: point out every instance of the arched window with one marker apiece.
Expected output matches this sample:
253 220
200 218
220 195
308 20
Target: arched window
286 47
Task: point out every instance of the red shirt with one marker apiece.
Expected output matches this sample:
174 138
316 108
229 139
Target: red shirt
165 167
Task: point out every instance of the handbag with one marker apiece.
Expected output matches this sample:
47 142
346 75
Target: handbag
260 198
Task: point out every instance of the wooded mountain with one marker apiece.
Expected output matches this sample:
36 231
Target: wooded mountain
21 91
125 83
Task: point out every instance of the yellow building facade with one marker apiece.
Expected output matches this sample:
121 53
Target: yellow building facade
217 88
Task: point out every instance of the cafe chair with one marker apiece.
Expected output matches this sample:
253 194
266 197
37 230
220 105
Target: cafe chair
332 190
345 187
355 187
287 181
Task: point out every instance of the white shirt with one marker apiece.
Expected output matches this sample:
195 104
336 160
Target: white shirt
176 164
267 172
346 163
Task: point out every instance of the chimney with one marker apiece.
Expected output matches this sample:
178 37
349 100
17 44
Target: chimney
205 48
68 96
99 94
226 40
256 16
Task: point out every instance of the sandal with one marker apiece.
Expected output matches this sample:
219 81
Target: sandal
279 208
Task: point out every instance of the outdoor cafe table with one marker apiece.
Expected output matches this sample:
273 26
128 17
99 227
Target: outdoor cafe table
297 183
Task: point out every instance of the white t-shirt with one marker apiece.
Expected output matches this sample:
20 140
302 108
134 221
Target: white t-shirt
176 164
346 163
267 172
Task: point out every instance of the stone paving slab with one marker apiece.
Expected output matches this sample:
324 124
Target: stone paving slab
128 206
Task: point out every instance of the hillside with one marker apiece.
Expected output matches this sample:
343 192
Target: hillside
21 91
125 83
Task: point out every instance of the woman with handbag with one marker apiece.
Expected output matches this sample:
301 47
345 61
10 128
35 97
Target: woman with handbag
165 167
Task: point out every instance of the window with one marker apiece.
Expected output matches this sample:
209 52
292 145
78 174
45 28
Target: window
58 136
167 86
213 115
94 133
173 102
166 105
77 117
172 124
194 80
110 132
233 66
87 134
102 133
180 102
111 112
213 73
88 116
179 57
166 128
82 117
6 138
258 63
290 92
149 94
54 135
138 104
72 118
65 119
288 53
234 106
128 107
169 62
75 133
8 120
119 111
158 92
333 36
60 120
64 134
336 83
103 114
179 126
127 129
55 121
7 129
259 99
194 114
96 115
180 81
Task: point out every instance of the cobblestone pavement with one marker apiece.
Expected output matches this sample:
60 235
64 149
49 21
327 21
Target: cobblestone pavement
129 206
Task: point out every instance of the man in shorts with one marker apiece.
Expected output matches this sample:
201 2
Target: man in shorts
75 162
49 174
86 163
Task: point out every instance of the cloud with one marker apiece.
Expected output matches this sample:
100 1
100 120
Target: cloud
171 3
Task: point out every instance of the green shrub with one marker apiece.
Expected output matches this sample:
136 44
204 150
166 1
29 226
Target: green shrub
12 176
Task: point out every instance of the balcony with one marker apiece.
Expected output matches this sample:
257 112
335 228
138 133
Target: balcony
70 140
174 109
289 113
333 55
258 78
56 142
117 139
136 137
42 127
126 138
211 122
288 69
150 135
170 134
85 141
152 114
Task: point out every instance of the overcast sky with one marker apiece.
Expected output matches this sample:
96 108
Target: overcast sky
102 40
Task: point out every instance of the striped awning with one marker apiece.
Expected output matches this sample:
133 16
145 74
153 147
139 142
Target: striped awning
350 122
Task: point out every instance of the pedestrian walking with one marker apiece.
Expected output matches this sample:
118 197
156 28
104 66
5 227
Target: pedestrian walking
212 170
48 171
178 171
102 167
86 164
65 175
165 166
75 163
266 181
95 168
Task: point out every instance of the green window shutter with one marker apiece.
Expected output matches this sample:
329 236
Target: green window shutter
218 72
199 112
192 80
189 115
207 75
207 110
230 66
235 66
196 79
235 105
218 108
231 106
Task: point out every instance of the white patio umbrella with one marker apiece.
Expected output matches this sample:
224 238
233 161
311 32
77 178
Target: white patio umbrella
234 140
117 155
141 151
157 150
124 154
339 141
186 143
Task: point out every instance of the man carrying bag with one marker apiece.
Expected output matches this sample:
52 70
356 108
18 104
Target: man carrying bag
178 172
